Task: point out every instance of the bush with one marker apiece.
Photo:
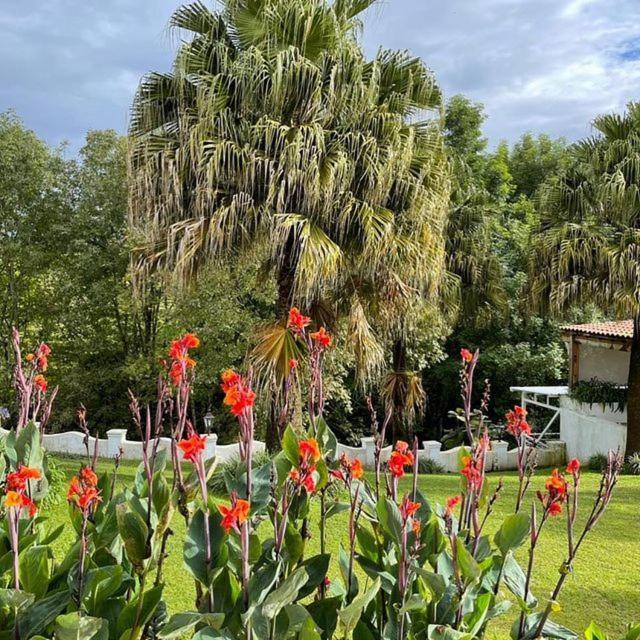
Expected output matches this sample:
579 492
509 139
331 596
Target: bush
231 467
597 462
632 464
600 392
429 466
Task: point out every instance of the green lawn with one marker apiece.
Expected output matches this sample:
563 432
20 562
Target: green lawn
604 587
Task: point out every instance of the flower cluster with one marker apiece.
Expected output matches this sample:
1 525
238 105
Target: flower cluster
17 487
452 503
237 393
321 338
296 321
400 458
83 489
348 469
304 475
555 493
40 363
192 447
235 515
181 361
573 467
517 424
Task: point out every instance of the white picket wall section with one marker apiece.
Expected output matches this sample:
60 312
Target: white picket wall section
499 458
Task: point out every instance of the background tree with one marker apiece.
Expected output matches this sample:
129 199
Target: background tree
274 131
588 248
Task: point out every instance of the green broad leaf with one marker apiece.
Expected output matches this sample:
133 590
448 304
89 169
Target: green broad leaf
550 629
326 438
99 584
325 614
317 568
52 536
414 602
286 593
373 570
34 619
290 446
134 532
309 631
349 616
335 508
127 617
261 582
181 623
35 569
633 633
594 632
194 546
15 599
475 620
73 626
442 632
434 582
468 566
366 542
282 466
514 531
294 544
390 519
515 580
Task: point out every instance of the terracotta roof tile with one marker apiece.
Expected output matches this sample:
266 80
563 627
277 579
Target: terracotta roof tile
613 329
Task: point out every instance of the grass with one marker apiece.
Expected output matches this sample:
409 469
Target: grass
603 587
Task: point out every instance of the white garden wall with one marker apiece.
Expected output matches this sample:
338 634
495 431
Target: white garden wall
590 430
498 459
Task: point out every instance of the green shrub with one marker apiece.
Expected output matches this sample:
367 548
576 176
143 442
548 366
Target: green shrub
597 462
231 466
429 466
600 392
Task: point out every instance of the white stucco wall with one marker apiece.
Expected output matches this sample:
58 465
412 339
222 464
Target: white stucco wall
603 362
586 431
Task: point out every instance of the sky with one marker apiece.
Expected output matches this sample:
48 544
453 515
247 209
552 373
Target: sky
550 66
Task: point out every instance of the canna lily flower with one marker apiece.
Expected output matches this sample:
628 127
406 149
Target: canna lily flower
399 459
41 383
235 515
293 364
466 355
516 423
192 447
309 449
18 500
238 395
555 494
321 337
471 471
179 354
83 491
453 502
408 508
573 467
297 321
416 527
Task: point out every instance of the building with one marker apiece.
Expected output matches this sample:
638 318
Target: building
597 352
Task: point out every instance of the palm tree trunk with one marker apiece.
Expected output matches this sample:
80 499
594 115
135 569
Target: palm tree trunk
399 362
633 392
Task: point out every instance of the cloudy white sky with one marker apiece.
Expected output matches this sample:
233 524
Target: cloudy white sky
538 65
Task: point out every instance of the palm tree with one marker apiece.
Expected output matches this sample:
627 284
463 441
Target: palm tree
588 247
274 131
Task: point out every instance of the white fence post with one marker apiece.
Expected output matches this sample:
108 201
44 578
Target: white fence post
432 449
210 446
115 439
369 446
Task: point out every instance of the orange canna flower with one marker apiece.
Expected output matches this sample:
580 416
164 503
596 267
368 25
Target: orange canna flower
417 527
89 476
234 515
555 508
453 502
573 467
408 508
192 447
466 355
13 499
297 321
321 337
356 468
41 383
293 363
309 449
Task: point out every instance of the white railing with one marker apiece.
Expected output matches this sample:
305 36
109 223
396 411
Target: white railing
499 457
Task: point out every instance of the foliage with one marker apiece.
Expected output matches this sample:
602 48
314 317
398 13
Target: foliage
601 392
632 464
217 482
429 466
597 462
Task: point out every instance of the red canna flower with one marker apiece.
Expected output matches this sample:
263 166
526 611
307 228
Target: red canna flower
309 481
453 502
309 449
408 508
573 467
293 364
297 321
82 489
238 395
321 337
41 383
192 447
29 473
416 526
179 354
516 422
234 515
466 355
45 349
399 459
356 469
555 508
471 471
17 480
